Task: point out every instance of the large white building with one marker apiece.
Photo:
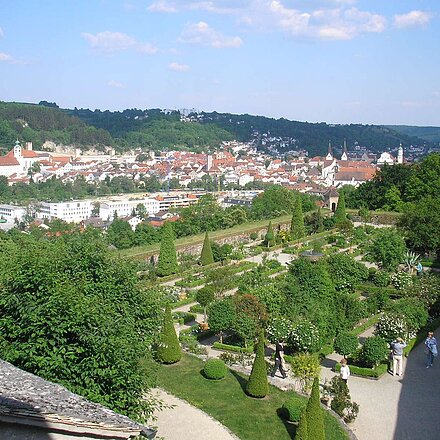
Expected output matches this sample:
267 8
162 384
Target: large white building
72 211
12 213
18 161
125 207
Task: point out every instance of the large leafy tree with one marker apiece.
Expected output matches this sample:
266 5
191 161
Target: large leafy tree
120 234
74 314
167 264
387 248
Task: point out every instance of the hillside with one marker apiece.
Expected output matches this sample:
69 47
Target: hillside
158 130
430 134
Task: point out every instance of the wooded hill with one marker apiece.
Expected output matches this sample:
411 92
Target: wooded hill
157 130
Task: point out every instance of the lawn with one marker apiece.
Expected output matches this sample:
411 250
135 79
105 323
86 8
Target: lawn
248 227
225 400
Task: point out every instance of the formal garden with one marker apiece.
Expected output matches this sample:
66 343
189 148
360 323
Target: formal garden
329 285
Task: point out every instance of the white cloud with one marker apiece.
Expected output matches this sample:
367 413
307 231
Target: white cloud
202 33
162 6
6 58
116 84
178 67
211 6
111 42
413 18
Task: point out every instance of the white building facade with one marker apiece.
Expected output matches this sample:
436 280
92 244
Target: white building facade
72 211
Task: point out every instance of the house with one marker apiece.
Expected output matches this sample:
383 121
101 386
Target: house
32 408
18 160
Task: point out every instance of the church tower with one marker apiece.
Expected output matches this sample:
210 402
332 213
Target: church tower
344 151
17 150
330 152
400 154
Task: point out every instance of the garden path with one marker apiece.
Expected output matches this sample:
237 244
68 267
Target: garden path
395 408
182 421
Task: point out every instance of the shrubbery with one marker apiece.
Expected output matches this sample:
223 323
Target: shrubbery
341 402
293 409
305 337
257 385
214 369
374 351
168 349
346 343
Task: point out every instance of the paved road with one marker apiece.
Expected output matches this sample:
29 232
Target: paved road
182 421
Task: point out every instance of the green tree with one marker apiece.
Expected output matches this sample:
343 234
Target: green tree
74 314
204 297
340 213
314 414
302 431
297 224
206 257
257 385
374 350
387 248
167 263
221 316
346 344
120 234
269 238
168 348
141 211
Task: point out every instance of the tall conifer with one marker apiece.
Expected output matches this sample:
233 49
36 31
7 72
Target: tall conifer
206 257
167 264
340 213
168 350
297 225
301 432
269 238
257 384
314 414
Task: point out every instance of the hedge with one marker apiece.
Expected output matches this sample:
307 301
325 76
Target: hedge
365 372
234 348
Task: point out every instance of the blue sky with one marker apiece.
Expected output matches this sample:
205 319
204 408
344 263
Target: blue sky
338 61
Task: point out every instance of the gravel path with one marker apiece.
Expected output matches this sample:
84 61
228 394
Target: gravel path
185 422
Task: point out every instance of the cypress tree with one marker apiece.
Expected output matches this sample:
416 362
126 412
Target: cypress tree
301 432
340 213
314 415
297 224
167 264
257 384
168 350
206 257
319 220
269 238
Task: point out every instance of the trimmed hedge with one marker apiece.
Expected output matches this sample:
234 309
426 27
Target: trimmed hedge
293 409
214 369
365 372
234 348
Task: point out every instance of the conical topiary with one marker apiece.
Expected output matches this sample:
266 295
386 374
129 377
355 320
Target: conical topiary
301 432
314 415
340 213
167 264
269 238
297 224
319 220
206 257
257 384
168 349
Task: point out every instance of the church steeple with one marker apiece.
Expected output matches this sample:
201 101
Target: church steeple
344 151
330 152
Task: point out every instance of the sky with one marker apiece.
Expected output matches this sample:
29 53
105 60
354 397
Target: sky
336 61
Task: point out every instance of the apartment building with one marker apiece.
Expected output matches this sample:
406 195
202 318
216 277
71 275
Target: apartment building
72 211
12 213
125 207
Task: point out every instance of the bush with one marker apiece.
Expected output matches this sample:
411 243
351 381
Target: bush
257 385
214 369
293 409
381 278
168 349
413 312
206 256
305 337
279 329
234 348
374 350
253 236
391 326
401 280
305 367
345 344
341 402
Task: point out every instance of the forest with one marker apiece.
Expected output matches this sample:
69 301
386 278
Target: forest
158 130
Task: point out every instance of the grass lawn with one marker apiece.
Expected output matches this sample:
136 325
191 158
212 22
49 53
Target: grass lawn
225 400
140 251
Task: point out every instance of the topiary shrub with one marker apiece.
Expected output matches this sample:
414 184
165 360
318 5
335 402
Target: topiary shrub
302 431
293 409
206 256
257 384
214 369
167 263
168 349
314 414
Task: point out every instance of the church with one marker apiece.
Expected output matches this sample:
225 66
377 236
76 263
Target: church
18 161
